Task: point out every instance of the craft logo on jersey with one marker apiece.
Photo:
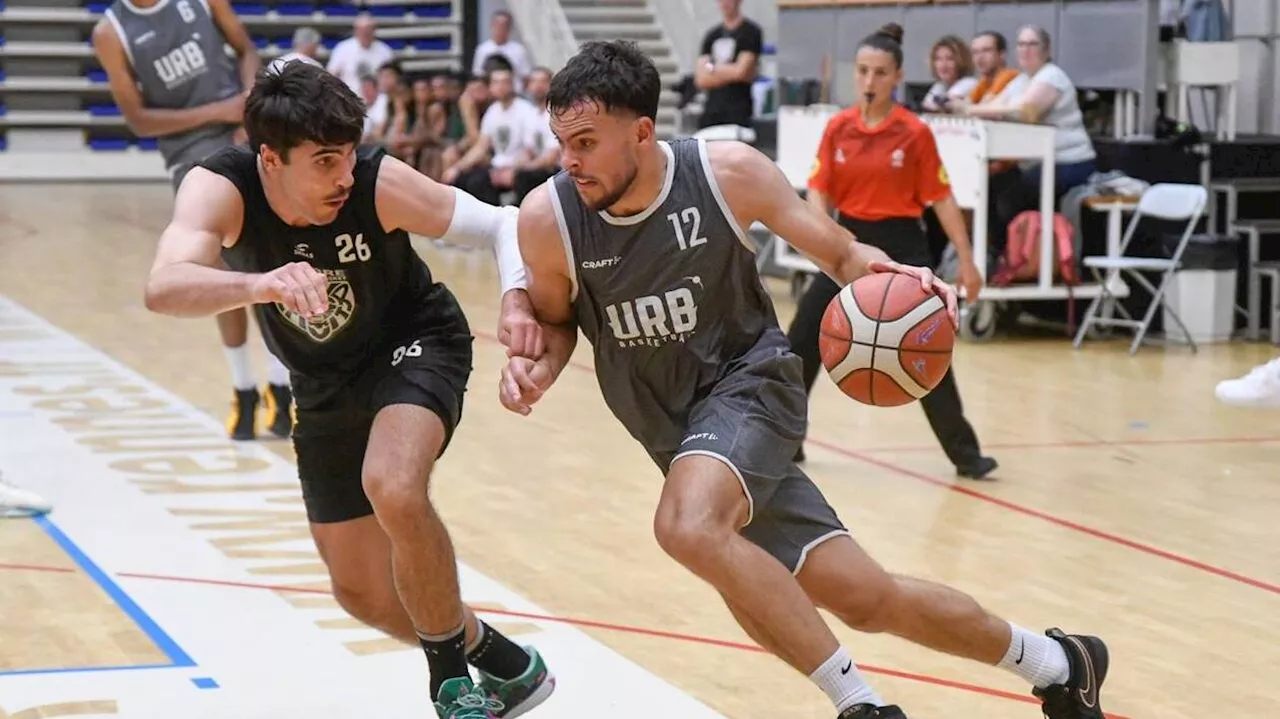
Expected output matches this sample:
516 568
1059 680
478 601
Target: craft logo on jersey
342 307
181 64
655 320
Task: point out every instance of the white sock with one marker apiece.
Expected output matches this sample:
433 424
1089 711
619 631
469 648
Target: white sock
843 683
1036 658
241 371
277 373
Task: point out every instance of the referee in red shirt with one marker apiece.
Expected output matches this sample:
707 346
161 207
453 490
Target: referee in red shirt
878 167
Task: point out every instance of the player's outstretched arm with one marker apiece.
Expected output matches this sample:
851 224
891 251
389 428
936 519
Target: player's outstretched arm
550 289
409 200
187 279
153 122
757 191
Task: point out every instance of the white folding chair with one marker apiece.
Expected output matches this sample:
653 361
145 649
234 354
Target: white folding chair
1166 201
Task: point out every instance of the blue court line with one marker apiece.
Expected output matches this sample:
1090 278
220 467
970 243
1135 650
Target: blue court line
177 656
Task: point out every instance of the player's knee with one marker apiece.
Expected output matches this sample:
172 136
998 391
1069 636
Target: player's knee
690 534
399 498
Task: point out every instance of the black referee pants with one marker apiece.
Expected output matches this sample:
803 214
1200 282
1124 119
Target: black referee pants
903 239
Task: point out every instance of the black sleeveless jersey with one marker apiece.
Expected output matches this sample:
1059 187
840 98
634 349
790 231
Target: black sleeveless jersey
377 284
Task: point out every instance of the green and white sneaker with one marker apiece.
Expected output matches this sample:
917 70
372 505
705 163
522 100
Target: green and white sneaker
460 699
518 696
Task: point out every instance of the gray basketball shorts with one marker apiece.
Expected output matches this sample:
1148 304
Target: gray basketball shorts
754 421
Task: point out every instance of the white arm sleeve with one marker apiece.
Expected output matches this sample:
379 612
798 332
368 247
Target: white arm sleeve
478 224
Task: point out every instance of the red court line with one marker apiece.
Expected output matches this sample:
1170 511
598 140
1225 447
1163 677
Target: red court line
1014 507
622 628
1090 443
1066 523
39 568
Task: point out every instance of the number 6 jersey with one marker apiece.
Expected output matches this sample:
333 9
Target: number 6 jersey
179 61
669 298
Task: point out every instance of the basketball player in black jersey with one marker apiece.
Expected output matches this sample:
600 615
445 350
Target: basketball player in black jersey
640 245
315 232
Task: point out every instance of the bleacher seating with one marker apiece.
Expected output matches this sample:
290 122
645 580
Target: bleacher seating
57 118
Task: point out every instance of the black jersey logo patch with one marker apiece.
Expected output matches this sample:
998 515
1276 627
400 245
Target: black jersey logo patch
342 307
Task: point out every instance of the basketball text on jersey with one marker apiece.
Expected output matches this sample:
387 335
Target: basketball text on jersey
655 320
342 307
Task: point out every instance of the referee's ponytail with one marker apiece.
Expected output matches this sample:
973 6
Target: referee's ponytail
886 39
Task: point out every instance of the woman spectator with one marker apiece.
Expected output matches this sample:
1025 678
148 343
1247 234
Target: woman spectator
1050 97
878 165
952 70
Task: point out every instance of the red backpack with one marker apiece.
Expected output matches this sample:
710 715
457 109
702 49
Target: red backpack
1021 259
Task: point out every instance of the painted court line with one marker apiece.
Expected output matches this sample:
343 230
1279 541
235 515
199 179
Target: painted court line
863 456
162 640
1090 443
586 623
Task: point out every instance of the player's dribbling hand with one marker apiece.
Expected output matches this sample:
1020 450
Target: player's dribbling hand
297 285
523 383
928 281
518 328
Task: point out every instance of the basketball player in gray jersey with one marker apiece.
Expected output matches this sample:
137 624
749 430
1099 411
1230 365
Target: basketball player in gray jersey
640 245
171 77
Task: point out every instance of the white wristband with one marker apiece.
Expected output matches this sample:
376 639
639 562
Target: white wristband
478 224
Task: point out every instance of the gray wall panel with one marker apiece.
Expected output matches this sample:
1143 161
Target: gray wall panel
804 36
924 25
1095 44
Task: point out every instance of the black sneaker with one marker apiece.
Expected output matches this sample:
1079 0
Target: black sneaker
278 407
868 711
241 424
1080 697
982 467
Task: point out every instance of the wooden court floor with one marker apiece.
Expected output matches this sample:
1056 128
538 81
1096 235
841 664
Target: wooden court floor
1128 503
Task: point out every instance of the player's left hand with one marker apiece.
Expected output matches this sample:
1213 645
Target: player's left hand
928 281
518 329
522 384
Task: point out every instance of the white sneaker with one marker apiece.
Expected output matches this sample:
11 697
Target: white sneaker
18 502
1259 388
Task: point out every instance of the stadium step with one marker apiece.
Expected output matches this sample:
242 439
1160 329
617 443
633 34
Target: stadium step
608 14
584 31
604 3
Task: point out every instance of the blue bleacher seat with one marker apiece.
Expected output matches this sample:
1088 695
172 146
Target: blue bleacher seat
108 143
430 43
103 109
2 108
339 10
432 10
261 42
295 8
330 42
96 75
147 143
1 75
95 6
396 43
4 141
386 10
244 8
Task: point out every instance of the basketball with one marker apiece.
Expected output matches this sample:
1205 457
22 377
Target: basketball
886 341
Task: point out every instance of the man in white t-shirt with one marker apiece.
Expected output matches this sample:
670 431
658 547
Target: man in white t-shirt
500 43
489 167
541 157
359 55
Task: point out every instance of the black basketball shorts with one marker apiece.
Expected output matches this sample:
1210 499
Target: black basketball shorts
426 367
754 422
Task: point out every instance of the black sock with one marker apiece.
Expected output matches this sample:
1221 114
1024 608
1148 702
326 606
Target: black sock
446 658
496 655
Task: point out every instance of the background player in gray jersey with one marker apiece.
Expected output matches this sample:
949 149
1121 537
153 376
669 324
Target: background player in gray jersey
170 75
735 509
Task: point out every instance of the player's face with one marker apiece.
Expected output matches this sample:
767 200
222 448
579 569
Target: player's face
316 180
600 150
877 75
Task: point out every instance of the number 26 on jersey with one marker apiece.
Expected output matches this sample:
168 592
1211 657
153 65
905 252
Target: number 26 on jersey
351 248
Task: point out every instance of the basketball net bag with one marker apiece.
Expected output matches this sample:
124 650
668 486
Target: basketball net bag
1021 259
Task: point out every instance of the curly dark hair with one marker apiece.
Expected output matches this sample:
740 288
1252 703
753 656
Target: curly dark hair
615 74
299 103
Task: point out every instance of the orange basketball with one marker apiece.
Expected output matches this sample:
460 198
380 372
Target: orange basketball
885 341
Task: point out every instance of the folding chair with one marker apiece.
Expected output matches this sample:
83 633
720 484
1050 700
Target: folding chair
1166 201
